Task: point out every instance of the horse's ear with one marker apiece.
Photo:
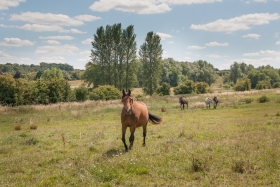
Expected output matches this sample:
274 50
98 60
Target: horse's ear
129 92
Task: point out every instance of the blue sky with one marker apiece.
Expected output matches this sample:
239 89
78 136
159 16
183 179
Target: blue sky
219 31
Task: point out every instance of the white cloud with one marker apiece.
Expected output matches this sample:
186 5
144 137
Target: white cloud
253 36
263 53
213 44
52 59
4 55
163 36
143 7
85 53
87 41
46 19
5 4
76 31
136 6
46 28
238 23
57 37
277 43
196 47
171 42
261 1
16 42
87 18
53 42
216 56
56 49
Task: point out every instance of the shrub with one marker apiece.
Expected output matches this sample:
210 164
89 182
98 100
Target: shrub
201 87
81 93
263 85
263 99
185 88
243 85
104 92
164 89
276 85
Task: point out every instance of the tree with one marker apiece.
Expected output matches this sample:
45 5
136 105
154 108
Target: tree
52 73
128 37
235 72
150 54
17 75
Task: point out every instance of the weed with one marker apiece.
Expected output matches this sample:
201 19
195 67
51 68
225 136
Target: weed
17 127
33 127
30 141
263 99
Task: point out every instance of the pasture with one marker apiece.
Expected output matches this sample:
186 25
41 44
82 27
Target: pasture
79 144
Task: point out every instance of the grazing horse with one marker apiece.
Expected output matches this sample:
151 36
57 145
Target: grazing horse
135 114
208 101
216 100
183 101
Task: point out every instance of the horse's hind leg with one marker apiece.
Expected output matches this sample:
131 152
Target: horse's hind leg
144 134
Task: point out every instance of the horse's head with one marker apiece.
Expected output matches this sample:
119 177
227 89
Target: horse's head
127 101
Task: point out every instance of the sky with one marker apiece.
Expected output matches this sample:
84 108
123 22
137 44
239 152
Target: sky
220 32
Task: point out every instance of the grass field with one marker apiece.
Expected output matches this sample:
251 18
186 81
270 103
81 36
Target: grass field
79 144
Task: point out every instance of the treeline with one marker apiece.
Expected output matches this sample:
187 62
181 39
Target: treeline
242 77
115 62
33 72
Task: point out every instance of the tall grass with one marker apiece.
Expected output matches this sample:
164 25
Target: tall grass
79 144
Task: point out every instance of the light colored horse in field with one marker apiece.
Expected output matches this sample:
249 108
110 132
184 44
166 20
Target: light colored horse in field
208 101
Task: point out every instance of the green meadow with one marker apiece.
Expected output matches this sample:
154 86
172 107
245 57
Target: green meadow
79 144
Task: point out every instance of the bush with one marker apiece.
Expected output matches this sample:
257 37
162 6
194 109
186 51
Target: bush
263 85
276 85
105 92
263 99
201 87
164 89
185 88
81 93
243 85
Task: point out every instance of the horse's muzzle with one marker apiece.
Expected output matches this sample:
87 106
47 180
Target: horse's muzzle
128 110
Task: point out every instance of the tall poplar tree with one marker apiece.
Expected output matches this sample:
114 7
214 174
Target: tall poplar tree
150 55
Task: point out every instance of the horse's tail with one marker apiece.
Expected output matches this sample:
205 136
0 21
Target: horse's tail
154 119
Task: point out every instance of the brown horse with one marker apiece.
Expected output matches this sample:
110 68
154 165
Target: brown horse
216 101
135 114
183 101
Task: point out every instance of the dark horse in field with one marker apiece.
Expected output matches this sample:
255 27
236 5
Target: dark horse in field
215 99
183 101
135 114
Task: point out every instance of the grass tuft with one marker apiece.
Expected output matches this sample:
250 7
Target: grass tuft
17 127
33 127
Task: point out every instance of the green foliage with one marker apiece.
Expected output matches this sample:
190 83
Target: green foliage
263 85
105 92
81 93
276 85
202 71
113 58
150 54
53 73
187 87
243 85
164 89
201 87
263 99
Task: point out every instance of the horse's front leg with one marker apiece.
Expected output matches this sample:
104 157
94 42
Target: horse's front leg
131 138
123 138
